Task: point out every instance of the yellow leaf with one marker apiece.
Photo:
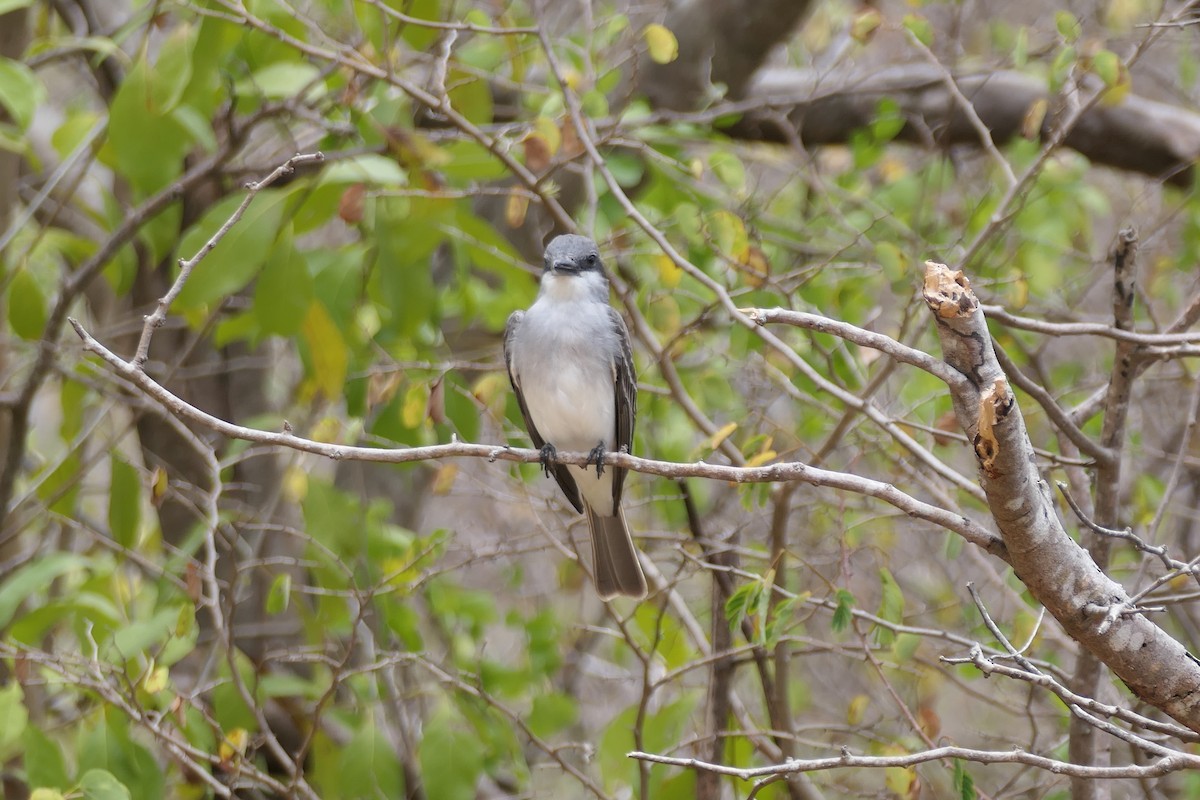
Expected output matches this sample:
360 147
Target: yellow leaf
491 387
548 130
1035 115
728 233
755 267
892 169
515 208
759 459
295 484
155 680
327 430
412 410
234 744
901 780
857 708
662 44
864 25
714 441
327 349
1115 94
158 486
669 273
443 479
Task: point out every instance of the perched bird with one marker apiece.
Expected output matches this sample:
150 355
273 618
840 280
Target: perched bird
571 366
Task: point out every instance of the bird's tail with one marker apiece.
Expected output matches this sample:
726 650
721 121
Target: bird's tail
615 558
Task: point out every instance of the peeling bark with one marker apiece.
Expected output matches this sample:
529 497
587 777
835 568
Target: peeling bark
1059 573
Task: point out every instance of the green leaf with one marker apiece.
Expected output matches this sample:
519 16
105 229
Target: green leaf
405 247
920 28
843 612
284 290
237 258
26 306
12 5
333 517
366 168
964 784
124 503
20 91
889 120
99 784
369 767
451 757
143 634
1107 66
891 606
740 603
44 762
418 36
15 716
470 161
282 80
470 96
173 69
28 580
147 145
1061 67
551 713
1068 26
280 593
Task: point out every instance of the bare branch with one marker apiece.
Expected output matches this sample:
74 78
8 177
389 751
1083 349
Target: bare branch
772 473
1163 766
860 336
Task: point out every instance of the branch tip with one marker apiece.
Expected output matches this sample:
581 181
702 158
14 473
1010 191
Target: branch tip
948 292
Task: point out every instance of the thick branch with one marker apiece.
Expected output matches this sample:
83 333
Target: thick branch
1059 573
1138 135
720 42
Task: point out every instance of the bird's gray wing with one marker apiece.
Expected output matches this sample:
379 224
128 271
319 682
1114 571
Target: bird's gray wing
560 472
625 386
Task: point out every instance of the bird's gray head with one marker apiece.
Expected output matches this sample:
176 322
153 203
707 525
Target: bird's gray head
572 255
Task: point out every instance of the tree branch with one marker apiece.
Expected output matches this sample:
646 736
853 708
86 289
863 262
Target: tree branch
1057 571
772 473
1138 135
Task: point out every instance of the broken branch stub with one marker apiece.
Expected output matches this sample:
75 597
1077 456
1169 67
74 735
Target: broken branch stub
1059 573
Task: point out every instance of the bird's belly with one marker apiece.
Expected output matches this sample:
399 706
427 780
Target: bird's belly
573 408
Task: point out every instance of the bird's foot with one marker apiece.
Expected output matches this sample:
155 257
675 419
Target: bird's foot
549 453
596 456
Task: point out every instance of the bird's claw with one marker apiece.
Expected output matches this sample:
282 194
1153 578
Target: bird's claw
596 456
548 454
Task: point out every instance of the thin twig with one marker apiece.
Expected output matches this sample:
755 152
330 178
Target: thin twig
156 319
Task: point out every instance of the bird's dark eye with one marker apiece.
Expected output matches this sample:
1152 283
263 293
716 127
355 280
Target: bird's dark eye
592 259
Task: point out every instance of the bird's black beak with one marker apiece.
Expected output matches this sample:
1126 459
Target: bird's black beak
565 265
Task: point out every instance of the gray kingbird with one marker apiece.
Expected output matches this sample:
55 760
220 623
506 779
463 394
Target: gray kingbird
571 366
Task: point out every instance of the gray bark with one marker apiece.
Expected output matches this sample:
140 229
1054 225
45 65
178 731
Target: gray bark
1137 135
1059 573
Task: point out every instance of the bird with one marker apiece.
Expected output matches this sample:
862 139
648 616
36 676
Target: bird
570 362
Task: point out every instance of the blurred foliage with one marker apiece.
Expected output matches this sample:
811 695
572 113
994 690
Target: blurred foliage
382 281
